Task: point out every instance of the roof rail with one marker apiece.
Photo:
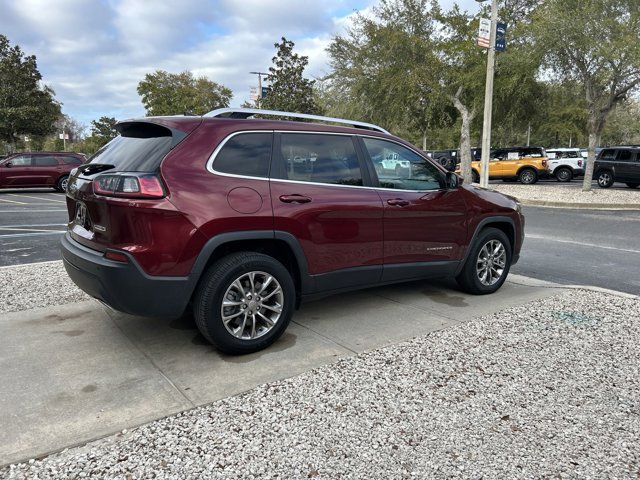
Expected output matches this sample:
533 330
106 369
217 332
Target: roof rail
249 112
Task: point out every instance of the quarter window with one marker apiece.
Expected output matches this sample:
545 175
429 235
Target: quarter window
319 158
246 154
400 168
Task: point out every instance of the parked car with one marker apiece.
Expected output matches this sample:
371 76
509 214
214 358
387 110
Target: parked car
565 163
525 164
618 164
216 213
38 169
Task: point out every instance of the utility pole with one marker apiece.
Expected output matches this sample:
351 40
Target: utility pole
260 74
488 98
529 135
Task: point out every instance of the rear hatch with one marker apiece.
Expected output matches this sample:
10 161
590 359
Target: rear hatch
113 198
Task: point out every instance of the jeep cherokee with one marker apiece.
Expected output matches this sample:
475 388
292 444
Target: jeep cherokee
240 219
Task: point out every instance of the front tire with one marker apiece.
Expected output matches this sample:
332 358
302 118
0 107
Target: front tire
487 264
605 179
527 176
244 302
564 174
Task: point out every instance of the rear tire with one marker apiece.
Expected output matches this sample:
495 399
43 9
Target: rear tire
527 176
470 278
61 184
605 178
252 322
632 184
475 176
563 174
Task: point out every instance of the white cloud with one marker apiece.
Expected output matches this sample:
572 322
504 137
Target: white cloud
94 53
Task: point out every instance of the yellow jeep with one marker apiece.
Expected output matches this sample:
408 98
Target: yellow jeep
525 164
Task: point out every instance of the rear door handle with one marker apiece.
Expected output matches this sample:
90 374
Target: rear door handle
295 198
398 202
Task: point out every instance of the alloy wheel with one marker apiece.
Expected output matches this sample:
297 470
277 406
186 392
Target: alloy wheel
252 305
491 262
604 179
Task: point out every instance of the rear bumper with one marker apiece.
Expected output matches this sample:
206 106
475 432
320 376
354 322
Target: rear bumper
124 286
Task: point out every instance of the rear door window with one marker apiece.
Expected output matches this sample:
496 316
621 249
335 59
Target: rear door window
319 158
624 155
45 161
140 147
245 154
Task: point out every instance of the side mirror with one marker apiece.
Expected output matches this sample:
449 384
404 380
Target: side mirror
8 164
453 180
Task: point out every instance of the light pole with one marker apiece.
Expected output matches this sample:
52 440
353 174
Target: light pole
488 98
260 74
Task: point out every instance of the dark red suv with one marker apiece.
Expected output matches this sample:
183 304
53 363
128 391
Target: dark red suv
38 169
241 219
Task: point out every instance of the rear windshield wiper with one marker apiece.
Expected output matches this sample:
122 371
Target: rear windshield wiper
93 168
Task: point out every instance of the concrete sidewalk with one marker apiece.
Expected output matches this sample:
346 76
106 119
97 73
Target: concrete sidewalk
77 372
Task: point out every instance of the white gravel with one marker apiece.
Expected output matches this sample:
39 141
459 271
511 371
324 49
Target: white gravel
548 389
36 285
558 192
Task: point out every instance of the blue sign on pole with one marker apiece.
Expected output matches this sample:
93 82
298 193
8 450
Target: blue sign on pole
501 37
264 92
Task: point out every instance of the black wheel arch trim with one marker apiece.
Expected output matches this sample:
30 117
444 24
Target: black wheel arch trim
482 224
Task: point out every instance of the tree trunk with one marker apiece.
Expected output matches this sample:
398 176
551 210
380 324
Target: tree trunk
424 141
596 125
465 135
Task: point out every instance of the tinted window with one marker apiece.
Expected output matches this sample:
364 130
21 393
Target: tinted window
247 154
625 155
45 161
71 160
21 161
607 154
140 148
400 168
320 159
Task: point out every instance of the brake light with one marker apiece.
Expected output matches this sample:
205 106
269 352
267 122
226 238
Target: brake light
579 163
129 186
544 163
116 256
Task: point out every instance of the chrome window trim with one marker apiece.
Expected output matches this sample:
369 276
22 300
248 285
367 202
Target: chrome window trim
212 158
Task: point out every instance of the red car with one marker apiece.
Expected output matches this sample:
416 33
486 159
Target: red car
38 169
241 219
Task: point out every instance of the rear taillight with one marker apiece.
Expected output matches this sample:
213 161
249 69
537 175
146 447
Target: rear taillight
579 163
544 163
129 185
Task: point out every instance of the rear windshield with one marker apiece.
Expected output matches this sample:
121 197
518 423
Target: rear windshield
139 148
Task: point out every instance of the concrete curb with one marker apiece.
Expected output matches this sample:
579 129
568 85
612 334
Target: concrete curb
534 282
580 206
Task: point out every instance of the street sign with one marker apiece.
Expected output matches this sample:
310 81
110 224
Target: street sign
264 92
63 136
501 40
484 33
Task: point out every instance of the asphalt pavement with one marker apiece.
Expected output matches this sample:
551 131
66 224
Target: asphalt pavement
599 248
31 222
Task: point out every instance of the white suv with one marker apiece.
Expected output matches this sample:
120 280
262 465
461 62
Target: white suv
565 163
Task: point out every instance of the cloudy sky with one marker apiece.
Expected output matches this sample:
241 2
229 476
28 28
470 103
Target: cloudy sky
93 53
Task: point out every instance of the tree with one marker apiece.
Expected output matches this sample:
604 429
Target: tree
165 93
289 91
595 44
26 107
104 128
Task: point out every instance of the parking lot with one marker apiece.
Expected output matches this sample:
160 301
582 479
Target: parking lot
31 223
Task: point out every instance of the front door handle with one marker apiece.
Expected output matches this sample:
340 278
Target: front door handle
295 198
397 202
